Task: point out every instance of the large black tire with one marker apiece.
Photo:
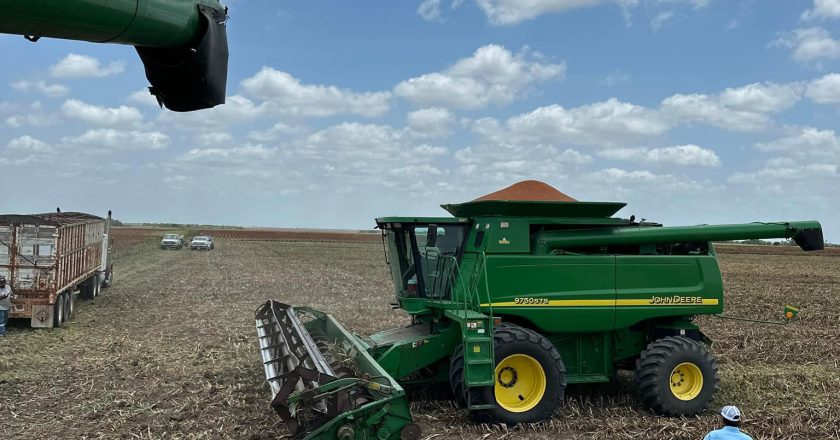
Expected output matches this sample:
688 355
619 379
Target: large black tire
86 289
676 376
67 299
71 305
58 311
513 343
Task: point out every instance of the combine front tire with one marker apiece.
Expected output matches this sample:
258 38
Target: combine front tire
530 378
676 376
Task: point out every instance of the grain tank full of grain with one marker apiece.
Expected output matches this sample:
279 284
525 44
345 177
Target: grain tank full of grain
49 259
514 296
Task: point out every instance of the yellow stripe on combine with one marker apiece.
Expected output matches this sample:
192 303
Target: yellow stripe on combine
602 303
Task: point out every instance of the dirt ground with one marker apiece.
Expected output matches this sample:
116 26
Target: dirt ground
169 351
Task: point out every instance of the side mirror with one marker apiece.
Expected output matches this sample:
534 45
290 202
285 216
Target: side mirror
431 236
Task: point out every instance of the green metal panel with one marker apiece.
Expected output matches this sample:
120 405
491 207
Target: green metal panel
152 23
565 293
653 286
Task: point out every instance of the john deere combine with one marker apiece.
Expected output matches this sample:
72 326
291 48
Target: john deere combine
510 301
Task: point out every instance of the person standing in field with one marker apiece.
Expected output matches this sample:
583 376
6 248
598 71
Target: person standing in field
731 417
5 304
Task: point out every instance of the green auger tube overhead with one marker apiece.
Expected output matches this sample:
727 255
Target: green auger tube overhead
182 43
512 299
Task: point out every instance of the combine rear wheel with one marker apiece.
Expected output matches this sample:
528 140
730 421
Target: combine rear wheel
676 376
530 378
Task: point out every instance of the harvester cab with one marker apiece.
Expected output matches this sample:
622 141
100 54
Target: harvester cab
510 300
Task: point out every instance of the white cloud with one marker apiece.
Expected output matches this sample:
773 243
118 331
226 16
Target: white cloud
290 96
49 90
29 144
429 10
143 97
510 12
236 109
823 9
616 78
809 44
214 139
825 90
661 19
739 109
82 66
107 140
431 122
248 154
32 115
608 122
689 155
805 142
276 131
94 114
492 75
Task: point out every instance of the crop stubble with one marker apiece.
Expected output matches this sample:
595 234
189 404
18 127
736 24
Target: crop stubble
170 350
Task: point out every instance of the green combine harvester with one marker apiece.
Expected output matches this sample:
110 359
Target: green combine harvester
510 301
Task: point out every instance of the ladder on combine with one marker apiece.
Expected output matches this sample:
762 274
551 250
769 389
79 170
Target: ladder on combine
477 337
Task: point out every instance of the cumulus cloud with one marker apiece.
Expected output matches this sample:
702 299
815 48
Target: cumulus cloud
83 66
739 109
809 44
290 96
825 90
823 9
492 75
94 114
689 155
608 122
510 12
143 97
431 122
29 144
661 19
247 154
108 140
47 89
32 115
429 10
806 141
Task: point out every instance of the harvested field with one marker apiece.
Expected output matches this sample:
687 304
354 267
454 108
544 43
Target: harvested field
170 350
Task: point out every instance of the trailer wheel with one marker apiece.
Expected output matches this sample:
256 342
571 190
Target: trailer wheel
71 303
96 285
530 378
58 311
67 300
86 289
676 376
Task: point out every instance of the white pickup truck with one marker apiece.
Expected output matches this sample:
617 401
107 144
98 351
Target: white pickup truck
172 241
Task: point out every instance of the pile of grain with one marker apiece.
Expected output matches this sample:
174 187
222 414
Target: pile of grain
532 190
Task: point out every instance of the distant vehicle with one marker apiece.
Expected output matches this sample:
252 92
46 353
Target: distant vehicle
202 242
48 257
172 241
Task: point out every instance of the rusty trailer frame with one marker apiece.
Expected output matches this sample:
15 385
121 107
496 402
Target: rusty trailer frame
46 257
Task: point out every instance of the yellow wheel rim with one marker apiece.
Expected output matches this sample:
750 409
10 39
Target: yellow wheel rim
520 383
686 381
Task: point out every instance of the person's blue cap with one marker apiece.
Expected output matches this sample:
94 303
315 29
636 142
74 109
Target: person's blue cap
731 413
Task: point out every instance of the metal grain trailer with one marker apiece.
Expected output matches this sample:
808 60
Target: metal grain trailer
48 257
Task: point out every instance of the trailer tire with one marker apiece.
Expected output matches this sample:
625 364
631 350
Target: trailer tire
86 289
676 376
96 285
66 306
58 311
528 358
71 304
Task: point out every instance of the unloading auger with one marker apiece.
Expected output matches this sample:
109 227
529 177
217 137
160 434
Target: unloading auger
511 300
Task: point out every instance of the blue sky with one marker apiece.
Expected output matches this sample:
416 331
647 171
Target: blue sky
692 111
